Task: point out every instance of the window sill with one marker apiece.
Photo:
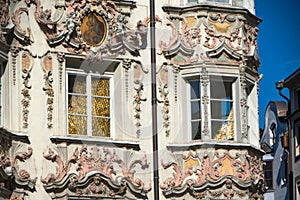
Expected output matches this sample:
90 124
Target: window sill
210 144
108 142
19 136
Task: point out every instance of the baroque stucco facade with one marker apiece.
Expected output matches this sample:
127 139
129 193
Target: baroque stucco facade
43 42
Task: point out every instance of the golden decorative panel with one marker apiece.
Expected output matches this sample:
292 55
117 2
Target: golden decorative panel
221 27
190 21
93 29
191 162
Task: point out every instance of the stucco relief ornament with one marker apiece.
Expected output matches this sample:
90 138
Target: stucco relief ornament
138 98
95 173
27 63
4 14
230 175
181 42
17 180
222 27
98 28
48 70
164 92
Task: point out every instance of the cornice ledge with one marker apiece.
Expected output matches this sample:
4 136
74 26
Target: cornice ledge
198 7
212 144
99 141
191 185
116 186
19 136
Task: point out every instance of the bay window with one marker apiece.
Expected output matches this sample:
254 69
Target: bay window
88 104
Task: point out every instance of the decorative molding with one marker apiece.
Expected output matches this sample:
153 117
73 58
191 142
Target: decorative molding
4 14
138 71
164 92
21 34
120 38
204 78
243 104
126 65
213 175
47 65
15 181
96 174
14 53
138 99
27 63
179 43
61 60
176 71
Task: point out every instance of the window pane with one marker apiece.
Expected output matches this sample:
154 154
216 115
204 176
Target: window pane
196 130
77 125
100 87
101 127
222 130
297 141
101 106
220 89
268 172
77 104
77 84
221 110
195 89
196 110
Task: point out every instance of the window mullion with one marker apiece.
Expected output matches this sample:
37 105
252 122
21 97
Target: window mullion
89 105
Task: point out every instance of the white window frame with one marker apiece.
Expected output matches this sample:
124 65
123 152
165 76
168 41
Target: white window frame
234 101
188 87
89 76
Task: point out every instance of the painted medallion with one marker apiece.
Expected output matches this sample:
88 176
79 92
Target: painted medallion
93 29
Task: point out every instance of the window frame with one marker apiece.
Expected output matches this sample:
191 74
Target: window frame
234 93
232 80
272 170
194 78
89 96
297 133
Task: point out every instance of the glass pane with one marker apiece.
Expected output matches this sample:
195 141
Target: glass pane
220 89
196 130
101 107
221 110
100 87
77 125
77 84
195 89
222 130
195 110
77 104
101 127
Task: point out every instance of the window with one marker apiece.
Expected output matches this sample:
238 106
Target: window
298 98
88 104
297 140
195 109
192 1
220 105
222 124
268 172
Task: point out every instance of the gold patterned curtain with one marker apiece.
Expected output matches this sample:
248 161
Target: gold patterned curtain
81 111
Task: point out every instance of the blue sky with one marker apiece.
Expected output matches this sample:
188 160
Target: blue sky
278 46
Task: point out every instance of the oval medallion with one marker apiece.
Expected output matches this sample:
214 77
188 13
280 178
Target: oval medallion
93 29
